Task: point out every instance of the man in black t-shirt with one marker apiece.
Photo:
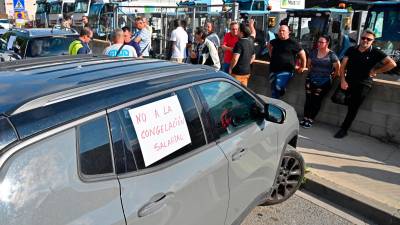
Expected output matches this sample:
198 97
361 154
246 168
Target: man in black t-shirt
243 56
357 70
283 52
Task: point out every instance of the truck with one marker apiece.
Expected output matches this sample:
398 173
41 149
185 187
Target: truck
60 9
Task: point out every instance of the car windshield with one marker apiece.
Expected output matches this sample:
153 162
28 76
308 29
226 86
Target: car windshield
42 47
81 6
55 8
3 21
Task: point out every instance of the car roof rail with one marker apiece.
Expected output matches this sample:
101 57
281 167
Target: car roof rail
43 62
106 84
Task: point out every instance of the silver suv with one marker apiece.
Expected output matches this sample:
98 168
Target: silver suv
93 140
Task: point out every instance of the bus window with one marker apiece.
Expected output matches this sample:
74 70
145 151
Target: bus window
379 25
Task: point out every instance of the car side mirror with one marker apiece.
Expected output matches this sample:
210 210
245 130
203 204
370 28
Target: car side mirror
274 113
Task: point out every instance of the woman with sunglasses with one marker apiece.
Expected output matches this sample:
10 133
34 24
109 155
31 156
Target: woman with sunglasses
358 69
322 64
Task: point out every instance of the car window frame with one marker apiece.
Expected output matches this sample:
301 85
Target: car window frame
95 177
17 37
218 138
21 145
208 143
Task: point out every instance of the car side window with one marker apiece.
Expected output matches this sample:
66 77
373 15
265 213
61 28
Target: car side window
229 107
127 151
94 147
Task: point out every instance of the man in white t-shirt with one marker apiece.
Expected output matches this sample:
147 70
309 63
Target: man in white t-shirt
179 39
119 48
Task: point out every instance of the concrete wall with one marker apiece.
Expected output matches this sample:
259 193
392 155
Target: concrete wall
379 116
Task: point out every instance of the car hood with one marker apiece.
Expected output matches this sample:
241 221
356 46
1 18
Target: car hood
276 102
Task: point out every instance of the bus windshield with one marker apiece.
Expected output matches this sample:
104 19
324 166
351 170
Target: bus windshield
307 29
41 8
385 23
55 8
81 6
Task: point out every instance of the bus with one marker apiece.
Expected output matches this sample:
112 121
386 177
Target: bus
42 13
384 19
60 9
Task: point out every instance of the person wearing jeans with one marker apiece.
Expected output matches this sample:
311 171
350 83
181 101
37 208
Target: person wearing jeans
358 69
321 63
283 52
279 81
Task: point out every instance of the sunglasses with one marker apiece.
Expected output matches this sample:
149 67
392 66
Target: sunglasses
366 39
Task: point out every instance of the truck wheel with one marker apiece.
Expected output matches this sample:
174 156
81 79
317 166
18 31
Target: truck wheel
290 176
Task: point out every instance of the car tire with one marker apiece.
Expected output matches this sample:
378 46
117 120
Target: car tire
289 177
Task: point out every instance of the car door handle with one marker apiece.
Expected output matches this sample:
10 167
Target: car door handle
238 154
156 202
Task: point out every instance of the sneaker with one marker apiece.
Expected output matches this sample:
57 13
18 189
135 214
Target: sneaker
341 133
302 122
307 124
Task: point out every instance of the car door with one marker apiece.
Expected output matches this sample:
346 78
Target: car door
188 186
248 141
63 178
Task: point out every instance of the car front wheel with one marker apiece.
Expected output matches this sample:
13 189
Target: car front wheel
290 176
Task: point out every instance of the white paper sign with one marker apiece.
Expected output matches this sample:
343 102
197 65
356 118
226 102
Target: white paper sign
161 128
11 42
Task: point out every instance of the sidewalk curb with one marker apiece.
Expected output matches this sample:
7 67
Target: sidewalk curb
352 201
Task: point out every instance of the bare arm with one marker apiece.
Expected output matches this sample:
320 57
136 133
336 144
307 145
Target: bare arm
388 64
336 69
235 59
342 72
253 57
252 28
226 48
269 46
303 58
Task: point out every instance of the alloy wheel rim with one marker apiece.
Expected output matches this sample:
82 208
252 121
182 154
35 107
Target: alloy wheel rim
290 174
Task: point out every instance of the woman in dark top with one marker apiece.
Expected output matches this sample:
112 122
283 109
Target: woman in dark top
322 64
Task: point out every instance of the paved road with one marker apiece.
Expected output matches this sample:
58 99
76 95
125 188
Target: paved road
300 209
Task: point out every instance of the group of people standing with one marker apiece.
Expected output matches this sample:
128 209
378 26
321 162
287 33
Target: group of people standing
355 70
124 43
205 46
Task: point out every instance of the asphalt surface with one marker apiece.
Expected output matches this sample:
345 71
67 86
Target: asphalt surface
299 211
